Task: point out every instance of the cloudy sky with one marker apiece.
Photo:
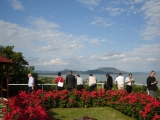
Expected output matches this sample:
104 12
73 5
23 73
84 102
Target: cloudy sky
83 34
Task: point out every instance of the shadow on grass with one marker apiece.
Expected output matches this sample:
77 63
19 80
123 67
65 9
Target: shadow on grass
53 115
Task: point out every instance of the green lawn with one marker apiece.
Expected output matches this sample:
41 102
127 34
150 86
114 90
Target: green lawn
100 113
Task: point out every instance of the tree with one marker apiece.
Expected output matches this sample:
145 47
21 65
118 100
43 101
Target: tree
19 70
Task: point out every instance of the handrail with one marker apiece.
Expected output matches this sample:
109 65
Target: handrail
85 83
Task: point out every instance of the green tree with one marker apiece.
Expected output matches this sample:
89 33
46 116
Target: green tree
18 71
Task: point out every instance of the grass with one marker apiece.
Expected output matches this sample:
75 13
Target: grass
100 113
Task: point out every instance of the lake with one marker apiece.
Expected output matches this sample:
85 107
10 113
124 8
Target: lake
138 77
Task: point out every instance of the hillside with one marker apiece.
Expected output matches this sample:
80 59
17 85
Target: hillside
100 70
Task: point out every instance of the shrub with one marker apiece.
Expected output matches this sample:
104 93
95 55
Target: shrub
137 105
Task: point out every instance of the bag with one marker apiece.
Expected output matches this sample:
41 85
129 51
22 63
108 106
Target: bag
60 84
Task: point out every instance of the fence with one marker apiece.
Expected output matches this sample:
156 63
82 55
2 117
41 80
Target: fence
42 85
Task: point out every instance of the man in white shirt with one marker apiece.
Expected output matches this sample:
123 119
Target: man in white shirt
92 82
129 81
120 81
30 83
79 83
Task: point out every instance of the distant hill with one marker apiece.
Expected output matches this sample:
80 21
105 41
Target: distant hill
101 70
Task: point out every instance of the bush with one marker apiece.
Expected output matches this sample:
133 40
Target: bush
138 105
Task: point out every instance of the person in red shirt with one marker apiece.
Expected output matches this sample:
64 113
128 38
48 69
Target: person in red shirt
60 82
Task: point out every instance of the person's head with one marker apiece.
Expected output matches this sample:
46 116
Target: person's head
70 71
130 75
29 74
59 73
107 75
120 74
78 76
152 74
91 75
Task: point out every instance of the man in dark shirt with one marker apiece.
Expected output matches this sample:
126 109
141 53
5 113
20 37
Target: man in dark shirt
152 84
108 83
70 81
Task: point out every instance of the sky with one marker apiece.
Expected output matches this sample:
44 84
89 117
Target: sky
54 35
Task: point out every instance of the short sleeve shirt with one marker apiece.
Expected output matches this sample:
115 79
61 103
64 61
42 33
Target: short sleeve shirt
30 81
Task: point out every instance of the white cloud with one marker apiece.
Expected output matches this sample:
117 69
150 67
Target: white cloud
55 62
138 1
97 41
41 23
16 4
55 49
151 59
108 56
37 39
47 48
146 50
152 15
99 21
90 2
132 59
115 11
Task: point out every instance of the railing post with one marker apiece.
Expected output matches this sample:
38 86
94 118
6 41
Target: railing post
102 85
42 86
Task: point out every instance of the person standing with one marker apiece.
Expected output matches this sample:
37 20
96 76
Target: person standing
129 82
60 82
70 81
152 84
31 83
92 82
120 81
108 83
79 83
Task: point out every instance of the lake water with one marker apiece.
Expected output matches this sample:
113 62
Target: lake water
138 77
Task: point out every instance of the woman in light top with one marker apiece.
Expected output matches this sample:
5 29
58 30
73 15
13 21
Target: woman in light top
92 82
129 82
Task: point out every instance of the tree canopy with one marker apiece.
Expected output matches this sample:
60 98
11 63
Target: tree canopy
19 70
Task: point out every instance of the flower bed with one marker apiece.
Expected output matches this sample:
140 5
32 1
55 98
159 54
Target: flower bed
33 107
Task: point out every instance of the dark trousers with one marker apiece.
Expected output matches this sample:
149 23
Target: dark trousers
153 93
93 87
129 88
30 90
80 87
60 88
70 89
107 87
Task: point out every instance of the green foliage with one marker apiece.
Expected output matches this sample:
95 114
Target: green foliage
141 89
46 80
18 71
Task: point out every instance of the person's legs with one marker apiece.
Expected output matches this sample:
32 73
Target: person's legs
81 87
106 86
91 88
120 87
94 87
152 93
60 88
129 88
29 90
78 87
69 89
